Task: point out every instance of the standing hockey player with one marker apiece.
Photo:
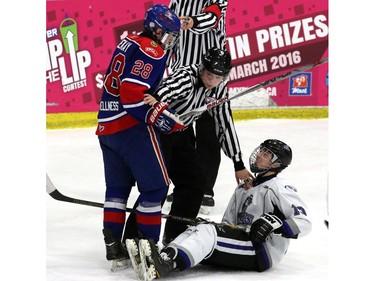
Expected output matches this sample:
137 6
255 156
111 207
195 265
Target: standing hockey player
256 228
203 27
126 130
184 90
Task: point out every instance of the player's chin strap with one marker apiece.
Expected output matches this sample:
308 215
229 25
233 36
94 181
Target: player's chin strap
260 174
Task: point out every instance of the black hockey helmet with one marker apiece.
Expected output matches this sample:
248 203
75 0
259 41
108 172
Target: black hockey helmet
281 152
217 61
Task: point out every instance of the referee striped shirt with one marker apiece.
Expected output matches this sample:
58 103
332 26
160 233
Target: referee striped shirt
208 30
183 90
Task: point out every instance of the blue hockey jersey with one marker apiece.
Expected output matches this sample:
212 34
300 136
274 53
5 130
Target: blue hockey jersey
137 67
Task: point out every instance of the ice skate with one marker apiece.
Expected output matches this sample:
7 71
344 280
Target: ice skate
154 264
132 247
115 252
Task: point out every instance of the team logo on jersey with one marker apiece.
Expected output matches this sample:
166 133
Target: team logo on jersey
300 84
243 217
153 44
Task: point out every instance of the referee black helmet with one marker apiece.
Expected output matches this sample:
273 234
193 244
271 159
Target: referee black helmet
217 61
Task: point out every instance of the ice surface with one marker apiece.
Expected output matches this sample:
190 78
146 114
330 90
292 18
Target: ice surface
74 243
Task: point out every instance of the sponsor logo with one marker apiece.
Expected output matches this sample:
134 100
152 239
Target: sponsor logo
152 51
300 84
214 103
66 62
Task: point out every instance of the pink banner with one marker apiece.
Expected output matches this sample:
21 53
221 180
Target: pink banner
265 39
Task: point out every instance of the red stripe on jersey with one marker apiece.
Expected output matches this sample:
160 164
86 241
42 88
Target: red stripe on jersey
214 9
132 93
115 217
149 219
158 152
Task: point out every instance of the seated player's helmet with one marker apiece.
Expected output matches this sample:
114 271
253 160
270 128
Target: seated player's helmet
160 16
281 153
217 61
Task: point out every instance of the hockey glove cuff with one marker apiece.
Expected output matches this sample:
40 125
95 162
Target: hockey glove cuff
164 118
155 111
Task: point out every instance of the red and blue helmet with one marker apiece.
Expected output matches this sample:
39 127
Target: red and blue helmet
161 17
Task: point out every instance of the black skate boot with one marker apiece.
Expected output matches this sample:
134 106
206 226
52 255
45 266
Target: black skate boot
115 251
154 264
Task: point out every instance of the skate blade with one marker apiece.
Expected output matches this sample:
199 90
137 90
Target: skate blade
149 272
120 264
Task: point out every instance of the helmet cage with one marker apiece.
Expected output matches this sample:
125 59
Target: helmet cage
253 160
169 39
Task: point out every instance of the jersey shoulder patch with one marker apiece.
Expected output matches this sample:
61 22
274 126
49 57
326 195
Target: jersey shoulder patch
291 188
148 46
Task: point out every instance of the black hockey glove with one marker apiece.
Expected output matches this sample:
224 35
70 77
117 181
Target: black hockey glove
263 227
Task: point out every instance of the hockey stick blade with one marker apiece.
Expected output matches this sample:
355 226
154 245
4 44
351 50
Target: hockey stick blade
55 194
254 88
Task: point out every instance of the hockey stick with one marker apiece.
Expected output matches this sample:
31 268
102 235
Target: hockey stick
254 88
57 195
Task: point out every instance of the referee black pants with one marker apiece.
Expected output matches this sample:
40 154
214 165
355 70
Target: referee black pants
208 150
185 172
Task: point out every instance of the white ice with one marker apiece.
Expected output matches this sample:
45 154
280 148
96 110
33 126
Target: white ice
74 243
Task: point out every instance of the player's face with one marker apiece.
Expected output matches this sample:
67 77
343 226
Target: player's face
210 80
166 40
264 159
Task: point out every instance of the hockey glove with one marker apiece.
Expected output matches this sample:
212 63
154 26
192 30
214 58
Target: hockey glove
164 118
263 227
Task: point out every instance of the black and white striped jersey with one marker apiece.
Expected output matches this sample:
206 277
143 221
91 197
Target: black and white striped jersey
183 90
208 30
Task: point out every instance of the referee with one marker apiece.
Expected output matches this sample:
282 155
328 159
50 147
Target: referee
203 27
186 89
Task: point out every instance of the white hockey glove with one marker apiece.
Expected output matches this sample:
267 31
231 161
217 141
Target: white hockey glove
263 227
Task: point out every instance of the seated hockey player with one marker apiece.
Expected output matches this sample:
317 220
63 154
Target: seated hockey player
255 231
